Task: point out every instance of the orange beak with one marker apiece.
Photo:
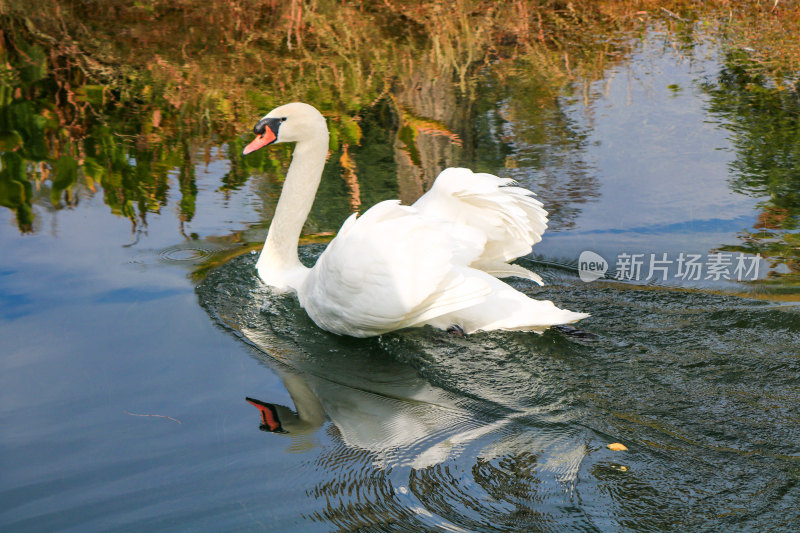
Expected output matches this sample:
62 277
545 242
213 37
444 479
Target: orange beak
268 137
269 416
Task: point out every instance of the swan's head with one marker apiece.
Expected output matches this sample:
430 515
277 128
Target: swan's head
293 122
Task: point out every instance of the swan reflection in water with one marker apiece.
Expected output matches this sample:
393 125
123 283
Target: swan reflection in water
417 426
382 406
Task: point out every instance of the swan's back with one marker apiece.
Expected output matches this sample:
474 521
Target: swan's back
389 269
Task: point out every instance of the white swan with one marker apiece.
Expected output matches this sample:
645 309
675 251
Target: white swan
434 262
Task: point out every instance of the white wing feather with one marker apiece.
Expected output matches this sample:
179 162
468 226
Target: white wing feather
392 268
511 219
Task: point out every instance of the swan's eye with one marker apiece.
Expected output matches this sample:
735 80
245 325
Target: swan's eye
283 119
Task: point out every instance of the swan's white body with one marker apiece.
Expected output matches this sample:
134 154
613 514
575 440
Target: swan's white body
434 262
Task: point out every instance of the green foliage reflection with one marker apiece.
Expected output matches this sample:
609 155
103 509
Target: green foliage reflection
127 98
764 120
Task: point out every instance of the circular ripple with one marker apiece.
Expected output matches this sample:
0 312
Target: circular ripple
187 254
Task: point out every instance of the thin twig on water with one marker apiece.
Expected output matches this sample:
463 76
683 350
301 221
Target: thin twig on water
157 416
673 15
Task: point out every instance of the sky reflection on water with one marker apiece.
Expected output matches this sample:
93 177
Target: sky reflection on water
490 432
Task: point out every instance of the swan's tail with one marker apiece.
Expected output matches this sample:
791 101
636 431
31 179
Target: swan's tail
507 309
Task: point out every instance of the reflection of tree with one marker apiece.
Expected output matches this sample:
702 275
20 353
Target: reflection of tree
546 150
15 190
764 121
429 112
26 122
60 137
86 105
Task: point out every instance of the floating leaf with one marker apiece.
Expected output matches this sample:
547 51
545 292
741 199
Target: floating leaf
617 447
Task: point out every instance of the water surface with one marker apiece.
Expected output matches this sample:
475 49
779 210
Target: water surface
102 321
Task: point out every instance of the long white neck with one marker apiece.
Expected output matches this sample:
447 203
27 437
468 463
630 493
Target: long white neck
278 264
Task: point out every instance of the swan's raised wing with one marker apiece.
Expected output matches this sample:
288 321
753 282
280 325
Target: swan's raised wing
509 217
393 268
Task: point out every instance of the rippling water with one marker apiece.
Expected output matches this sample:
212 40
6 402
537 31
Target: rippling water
509 431
123 384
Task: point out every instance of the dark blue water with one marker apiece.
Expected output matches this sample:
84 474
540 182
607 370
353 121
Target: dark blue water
415 430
